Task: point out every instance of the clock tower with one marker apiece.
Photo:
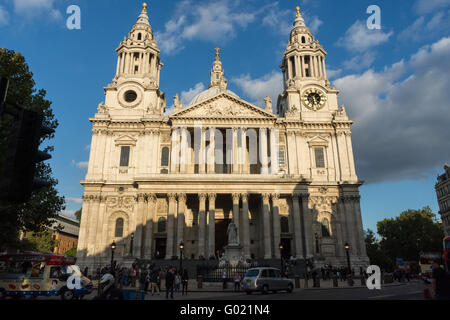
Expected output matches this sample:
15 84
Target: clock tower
307 92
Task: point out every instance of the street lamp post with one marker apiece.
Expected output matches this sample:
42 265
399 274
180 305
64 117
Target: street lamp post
316 236
131 244
281 258
113 248
347 249
181 255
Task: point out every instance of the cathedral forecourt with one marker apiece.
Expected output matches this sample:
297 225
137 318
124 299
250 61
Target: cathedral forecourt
156 179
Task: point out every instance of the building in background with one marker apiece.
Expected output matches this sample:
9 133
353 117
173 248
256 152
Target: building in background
65 231
443 196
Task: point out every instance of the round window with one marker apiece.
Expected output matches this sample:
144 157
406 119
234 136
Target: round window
130 96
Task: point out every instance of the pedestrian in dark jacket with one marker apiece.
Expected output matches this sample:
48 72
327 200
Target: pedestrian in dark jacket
184 282
170 279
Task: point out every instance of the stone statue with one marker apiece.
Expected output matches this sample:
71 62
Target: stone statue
232 234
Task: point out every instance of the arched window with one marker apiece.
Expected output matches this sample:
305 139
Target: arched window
119 228
326 228
139 36
303 40
161 225
165 157
284 223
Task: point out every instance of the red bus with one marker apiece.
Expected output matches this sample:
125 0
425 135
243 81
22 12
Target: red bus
447 252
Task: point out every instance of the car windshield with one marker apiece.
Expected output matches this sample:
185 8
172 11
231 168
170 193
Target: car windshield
252 273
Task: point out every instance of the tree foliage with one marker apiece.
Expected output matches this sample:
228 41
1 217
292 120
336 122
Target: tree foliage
376 255
78 214
72 252
37 214
41 241
411 233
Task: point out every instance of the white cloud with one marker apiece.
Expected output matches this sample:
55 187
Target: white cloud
401 129
270 84
31 8
360 62
74 200
69 213
187 96
333 73
82 165
423 28
314 24
4 16
215 22
427 6
359 38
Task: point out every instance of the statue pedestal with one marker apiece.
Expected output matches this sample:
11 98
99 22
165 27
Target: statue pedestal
233 254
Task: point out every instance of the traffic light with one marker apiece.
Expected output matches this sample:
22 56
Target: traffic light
17 179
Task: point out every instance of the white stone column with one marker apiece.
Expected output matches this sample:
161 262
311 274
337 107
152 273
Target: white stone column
276 224
202 156
307 226
266 225
236 219
324 68
303 66
175 156
263 151
244 164
181 218
118 65
235 164
245 226
297 66
84 228
351 157
211 151
212 225
297 227
171 225
274 151
93 221
202 225
184 151
138 226
151 214
292 153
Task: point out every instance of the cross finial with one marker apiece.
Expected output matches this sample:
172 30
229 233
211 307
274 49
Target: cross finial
217 53
298 11
144 7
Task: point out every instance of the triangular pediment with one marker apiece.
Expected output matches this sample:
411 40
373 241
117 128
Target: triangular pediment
223 105
317 141
125 140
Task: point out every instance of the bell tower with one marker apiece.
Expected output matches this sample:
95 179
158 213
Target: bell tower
135 87
307 92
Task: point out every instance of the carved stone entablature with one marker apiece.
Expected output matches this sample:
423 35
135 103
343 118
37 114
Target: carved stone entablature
92 197
322 203
126 202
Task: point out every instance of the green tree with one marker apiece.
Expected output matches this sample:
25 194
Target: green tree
36 215
376 255
41 241
412 232
78 214
72 252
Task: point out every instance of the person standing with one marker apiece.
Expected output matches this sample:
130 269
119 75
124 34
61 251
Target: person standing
170 279
177 282
440 283
237 283
224 280
185 282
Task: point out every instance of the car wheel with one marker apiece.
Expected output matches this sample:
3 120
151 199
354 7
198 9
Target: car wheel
290 288
265 289
67 294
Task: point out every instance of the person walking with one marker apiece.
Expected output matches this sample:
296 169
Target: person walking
440 283
170 279
185 282
154 282
224 280
148 279
237 283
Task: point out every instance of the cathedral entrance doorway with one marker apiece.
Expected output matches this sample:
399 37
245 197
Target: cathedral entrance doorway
221 235
160 248
286 252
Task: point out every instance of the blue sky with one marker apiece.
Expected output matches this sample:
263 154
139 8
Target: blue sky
394 81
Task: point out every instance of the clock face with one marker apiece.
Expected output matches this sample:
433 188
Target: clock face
314 99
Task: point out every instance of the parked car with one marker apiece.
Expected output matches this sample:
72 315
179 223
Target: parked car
266 279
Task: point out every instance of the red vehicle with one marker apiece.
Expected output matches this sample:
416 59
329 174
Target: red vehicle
447 252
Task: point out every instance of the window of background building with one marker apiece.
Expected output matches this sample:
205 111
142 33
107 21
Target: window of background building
165 157
320 157
161 225
326 228
119 228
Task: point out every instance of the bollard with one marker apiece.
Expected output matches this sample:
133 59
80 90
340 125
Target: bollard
200 282
335 282
297 282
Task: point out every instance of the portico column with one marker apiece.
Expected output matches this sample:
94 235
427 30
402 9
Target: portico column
297 67
263 151
175 156
274 151
211 151
202 225
181 218
138 221
236 197
184 151
276 224
244 151
266 226
202 157
212 225
235 164
245 225
297 227
170 225
151 213
307 225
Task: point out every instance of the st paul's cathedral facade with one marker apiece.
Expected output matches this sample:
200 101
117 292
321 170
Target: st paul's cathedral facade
283 174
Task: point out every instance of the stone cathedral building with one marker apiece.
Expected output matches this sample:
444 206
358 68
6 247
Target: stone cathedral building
283 174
